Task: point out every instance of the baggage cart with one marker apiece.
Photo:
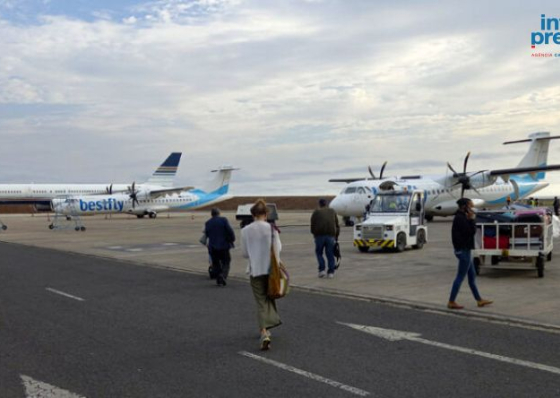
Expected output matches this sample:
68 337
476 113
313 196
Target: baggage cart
514 243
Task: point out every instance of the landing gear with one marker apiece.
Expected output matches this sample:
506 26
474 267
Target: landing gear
4 227
348 221
152 215
429 217
140 215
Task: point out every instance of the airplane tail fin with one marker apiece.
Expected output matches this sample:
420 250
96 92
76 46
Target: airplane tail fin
220 183
165 173
537 155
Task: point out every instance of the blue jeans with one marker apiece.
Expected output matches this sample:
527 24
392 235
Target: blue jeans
466 268
326 243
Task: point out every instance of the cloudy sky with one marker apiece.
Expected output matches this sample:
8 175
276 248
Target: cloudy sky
293 92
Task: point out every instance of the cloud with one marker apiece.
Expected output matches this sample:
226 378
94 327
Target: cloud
293 92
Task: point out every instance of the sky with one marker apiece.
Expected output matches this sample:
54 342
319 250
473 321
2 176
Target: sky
292 92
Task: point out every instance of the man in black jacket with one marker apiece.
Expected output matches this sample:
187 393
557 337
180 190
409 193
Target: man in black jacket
462 235
325 230
220 240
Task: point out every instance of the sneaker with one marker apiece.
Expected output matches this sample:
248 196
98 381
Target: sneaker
265 342
483 303
452 305
322 274
331 275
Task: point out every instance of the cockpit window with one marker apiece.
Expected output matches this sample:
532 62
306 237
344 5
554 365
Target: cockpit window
350 190
361 191
390 203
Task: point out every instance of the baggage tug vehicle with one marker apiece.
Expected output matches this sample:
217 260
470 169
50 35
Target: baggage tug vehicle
395 220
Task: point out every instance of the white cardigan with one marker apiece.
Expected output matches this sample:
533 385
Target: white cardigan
255 245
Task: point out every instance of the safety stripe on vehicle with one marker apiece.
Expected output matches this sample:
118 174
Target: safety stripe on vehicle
374 242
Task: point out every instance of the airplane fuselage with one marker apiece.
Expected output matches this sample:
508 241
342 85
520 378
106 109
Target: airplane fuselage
439 200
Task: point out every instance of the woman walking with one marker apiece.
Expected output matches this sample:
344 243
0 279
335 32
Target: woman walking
256 240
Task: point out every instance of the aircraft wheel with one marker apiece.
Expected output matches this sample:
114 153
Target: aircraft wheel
77 228
401 243
420 239
82 229
51 226
152 215
4 227
140 215
429 217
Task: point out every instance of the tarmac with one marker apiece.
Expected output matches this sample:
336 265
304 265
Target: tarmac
415 278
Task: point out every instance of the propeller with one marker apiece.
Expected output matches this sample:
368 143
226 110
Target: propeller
133 194
464 178
380 173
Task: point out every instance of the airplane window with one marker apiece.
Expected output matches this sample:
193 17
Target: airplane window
361 191
350 190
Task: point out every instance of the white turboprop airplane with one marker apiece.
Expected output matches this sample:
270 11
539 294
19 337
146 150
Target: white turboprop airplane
148 202
487 188
41 195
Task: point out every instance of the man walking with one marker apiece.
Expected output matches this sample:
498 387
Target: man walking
462 235
325 230
220 240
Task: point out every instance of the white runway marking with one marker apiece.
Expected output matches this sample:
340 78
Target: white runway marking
38 389
64 294
170 244
397 335
309 375
114 247
137 249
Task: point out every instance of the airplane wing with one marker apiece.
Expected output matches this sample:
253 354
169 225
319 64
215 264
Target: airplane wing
347 180
524 170
156 193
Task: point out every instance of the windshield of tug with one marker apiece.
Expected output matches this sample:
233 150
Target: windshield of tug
394 202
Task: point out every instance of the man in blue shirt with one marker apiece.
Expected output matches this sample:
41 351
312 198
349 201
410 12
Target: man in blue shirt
220 240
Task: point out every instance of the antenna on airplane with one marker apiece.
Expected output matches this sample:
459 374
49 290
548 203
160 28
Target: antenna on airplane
109 189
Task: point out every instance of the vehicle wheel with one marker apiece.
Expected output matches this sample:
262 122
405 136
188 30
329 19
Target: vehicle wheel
401 243
420 239
549 257
540 266
495 260
429 217
476 262
51 226
4 227
363 249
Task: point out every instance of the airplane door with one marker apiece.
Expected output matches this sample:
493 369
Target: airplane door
416 213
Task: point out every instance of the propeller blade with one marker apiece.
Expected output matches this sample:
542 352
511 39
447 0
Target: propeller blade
462 191
466 161
452 169
371 173
478 172
382 168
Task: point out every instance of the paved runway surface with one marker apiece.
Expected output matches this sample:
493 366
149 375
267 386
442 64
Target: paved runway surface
103 328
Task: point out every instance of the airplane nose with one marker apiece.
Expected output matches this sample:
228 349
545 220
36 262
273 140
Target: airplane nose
336 204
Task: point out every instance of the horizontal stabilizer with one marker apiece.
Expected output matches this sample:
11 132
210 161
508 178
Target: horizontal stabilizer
532 139
524 170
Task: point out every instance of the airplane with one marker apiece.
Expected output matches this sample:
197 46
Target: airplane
148 202
40 195
487 188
